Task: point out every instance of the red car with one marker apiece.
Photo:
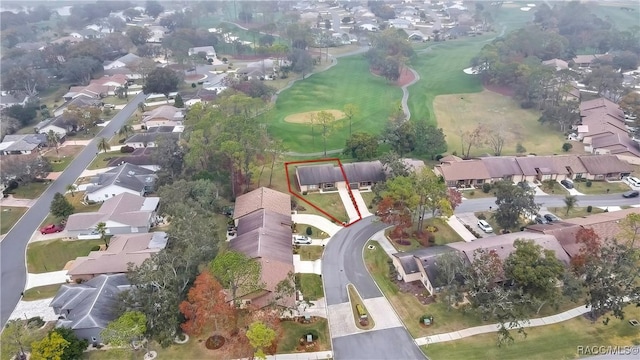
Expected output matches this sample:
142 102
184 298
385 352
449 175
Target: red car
51 228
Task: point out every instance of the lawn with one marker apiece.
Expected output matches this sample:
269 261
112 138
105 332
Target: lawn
63 157
601 187
558 341
53 255
355 299
348 82
310 252
464 112
9 215
613 13
329 202
294 331
475 194
310 285
31 190
575 212
315 232
100 161
553 187
41 292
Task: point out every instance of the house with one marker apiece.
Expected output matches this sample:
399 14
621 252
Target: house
116 81
127 178
605 167
80 101
142 157
22 144
415 35
210 52
157 33
585 61
87 34
259 199
620 145
265 236
400 24
153 135
93 91
44 126
563 231
541 168
123 252
421 265
8 99
123 61
463 173
503 168
557 64
164 115
369 27
201 95
89 307
327 177
123 214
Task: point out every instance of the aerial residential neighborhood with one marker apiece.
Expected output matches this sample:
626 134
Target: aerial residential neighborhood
319 179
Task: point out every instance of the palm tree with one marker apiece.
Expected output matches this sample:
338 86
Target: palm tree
570 202
72 189
125 130
53 139
101 228
103 145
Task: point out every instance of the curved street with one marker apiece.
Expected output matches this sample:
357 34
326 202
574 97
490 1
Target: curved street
14 245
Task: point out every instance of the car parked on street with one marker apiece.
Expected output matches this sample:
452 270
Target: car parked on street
51 228
301 240
482 224
567 183
631 194
551 217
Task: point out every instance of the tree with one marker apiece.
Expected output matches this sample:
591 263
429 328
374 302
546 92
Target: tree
361 146
82 117
513 202
431 190
430 140
24 169
52 347
80 69
451 266
103 145
61 207
570 202
285 290
115 24
169 155
24 114
16 338
260 337
53 139
161 81
125 330
327 123
125 131
178 102
535 270
206 304
630 229
101 228
72 189
301 61
153 8
237 272
76 346
138 35
589 251
144 67
350 111
496 138
471 138
399 133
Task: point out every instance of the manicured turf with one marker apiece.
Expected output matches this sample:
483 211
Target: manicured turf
558 341
310 286
328 202
601 187
348 82
101 160
41 292
464 112
46 256
575 212
622 19
9 216
31 190
294 331
310 252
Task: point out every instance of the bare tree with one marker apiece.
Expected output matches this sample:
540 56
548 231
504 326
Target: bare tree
496 139
471 138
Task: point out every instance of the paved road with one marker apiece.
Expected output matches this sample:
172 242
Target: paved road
14 244
342 263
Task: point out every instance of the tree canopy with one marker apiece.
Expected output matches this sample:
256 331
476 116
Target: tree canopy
161 81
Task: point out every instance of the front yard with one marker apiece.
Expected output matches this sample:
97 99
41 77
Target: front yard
601 187
41 292
9 215
61 158
310 252
293 331
310 285
575 212
328 202
31 190
444 235
101 160
53 255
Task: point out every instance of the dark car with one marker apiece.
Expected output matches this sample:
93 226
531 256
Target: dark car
541 219
51 228
631 194
566 183
551 217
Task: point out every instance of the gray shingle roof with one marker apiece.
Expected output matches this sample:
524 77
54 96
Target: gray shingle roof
152 137
265 234
125 208
91 304
328 173
128 176
25 142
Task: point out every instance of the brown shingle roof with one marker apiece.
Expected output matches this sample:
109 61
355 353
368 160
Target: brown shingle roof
604 164
262 198
464 170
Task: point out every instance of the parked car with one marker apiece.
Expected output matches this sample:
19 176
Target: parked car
633 181
301 240
541 219
631 194
51 228
567 183
551 217
485 226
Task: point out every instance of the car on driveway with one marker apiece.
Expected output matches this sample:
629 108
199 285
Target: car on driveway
631 194
567 183
485 226
541 219
301 240
51 228
551 217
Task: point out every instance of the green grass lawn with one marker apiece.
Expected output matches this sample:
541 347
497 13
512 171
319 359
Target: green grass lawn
329 202
348 82
33 335
310 252
475 194
613 13
41 292
575 212
315 232
553 187
294 331
52 255
9 216
355 299
31 190
558 341
101 160
601 187
310 286
58 165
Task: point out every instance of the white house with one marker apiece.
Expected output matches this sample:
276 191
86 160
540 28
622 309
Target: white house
208 50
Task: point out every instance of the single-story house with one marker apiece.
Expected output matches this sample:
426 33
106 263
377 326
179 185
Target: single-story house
416 35
127 178
585 61
142 157
369 27
558 64
123 214
80 101
605 167
265 236
8 99
328 177
463 173
620 145
259 199
17 144
165 115
151 138
89 307
123 251
400 23
210 52
503 168
116 81
421 265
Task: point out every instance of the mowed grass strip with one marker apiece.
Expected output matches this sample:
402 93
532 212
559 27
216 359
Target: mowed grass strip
9 216
557 341
52 255
41 292
464 112
310 252
310 286
348 82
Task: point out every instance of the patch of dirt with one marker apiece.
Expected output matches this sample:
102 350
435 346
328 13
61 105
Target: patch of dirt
63 151
406 76
304 117
416 289
500 89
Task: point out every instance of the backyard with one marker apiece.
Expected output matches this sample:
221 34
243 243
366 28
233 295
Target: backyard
53 255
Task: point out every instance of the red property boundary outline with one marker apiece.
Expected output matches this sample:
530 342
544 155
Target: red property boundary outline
344 175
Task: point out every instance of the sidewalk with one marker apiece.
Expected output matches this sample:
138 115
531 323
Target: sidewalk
49 278
362 206
485 329
301 356
459 228
11 201
317 221
384 243
348 205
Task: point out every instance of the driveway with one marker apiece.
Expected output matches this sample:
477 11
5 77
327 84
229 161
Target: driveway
472 220
11 201
13 245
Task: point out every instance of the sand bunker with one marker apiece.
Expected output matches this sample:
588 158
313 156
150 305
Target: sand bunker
305 117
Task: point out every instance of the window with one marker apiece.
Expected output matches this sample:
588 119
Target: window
312 187
579 175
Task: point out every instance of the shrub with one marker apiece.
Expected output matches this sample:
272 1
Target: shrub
482 216
520 149
309 231
121 141
431 238
193 85
304 193
35 322
472 192
589 183
486 187
127 149
589 208
567 146
438 157
96 248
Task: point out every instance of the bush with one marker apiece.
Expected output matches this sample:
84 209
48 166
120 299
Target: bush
527 104
309 231
482 216
193 85
486 187
589 183
566 147
121 141
438 157
35 322
520 149
472 192
96 248
589 208
127 149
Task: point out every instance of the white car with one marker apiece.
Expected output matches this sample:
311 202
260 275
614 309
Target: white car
485 226
301 240
633 181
